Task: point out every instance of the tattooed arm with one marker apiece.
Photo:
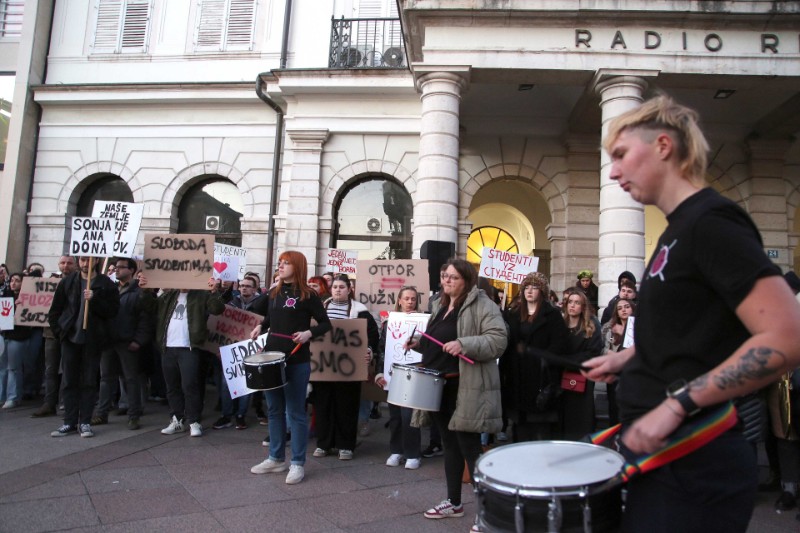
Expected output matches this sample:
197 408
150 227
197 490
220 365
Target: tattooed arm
772 315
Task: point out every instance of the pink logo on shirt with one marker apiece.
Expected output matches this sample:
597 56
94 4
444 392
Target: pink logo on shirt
290 302
661 260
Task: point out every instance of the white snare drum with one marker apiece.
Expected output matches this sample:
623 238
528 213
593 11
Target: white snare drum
416 387
553 486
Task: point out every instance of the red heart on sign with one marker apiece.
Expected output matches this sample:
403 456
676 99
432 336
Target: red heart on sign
220 267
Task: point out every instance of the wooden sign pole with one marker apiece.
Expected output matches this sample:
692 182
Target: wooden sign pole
88 286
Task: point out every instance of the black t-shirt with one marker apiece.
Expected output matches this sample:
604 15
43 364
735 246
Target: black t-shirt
286 314
707 261
444 329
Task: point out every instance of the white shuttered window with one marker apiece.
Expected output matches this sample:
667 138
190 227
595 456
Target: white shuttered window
225 25
122 26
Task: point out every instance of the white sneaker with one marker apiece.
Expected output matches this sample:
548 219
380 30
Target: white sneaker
295 475
319 452
10 404
394 460
195 429
412 464
268 466
174 426
345 455
86 431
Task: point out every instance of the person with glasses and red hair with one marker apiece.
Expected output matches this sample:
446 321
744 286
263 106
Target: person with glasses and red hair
291 306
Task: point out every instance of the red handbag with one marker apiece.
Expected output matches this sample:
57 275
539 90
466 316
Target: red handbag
573 381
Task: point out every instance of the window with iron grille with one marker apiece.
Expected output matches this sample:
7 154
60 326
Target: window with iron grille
11 17
122 26
225 25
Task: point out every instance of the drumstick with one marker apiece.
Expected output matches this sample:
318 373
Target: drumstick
461 355
410 337
297 347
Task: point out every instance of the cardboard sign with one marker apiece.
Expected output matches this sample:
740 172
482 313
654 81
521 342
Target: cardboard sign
341 354
35 298
127 220
226 268
342 261
627 340
92 237
6 314
379 282
232 357
174 261
232 326
228 250
505 266
398 330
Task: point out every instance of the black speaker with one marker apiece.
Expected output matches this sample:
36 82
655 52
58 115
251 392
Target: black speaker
437 253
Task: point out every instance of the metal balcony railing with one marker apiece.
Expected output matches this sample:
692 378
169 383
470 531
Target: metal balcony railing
366 43
11 17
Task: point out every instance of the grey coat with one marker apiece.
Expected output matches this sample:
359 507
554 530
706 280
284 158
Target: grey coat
483 335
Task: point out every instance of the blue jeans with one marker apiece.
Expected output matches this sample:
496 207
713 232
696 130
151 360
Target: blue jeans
230 407
11 366
289 400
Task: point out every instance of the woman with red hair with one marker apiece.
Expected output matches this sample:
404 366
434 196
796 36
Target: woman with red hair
292 304
320 286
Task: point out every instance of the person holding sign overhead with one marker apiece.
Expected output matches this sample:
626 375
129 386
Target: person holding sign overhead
81 347
715 322
336 402
292 305
467 324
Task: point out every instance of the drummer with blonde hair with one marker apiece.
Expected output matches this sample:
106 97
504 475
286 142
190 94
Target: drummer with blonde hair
465 324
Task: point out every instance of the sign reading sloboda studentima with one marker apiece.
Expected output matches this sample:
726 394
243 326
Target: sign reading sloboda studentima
173 261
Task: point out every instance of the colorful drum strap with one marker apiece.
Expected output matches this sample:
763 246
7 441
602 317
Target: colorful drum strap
684 441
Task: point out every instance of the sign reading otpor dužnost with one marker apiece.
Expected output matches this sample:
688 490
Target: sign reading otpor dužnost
227 258
342 261
341 354
505 266
232 357
173 261
35 298
127 220
92 237
233 325
380 281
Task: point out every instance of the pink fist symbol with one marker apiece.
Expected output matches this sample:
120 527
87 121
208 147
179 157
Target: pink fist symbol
6 309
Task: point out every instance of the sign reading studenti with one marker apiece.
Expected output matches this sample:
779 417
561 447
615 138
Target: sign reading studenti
505 266
379 282
127 218
178 261
6 313
232 326
92 237
232 357
341 354
226 268
398 329
35 298
342 261
222 251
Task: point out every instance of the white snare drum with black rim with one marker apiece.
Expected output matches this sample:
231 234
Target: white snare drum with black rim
416 387
553 486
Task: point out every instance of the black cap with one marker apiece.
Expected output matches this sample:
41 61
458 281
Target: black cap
626 275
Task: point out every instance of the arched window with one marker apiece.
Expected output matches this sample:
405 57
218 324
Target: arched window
109 188
213 206
373 217
492 237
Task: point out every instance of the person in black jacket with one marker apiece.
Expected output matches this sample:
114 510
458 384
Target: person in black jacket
81 348
133 330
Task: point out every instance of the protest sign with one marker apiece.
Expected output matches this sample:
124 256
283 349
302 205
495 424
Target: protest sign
398 330
231 326
342 261
226 268
6 313
505 266
228 250
178 261
627 340
92 237
35 298
341 354
232 357
127 220
380 281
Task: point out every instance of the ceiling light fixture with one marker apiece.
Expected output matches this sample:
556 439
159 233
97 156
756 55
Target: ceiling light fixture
722 94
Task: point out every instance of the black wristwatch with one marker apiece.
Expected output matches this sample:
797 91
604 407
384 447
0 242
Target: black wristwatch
679 391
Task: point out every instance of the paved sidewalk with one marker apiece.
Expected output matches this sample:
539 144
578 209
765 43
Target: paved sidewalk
123 480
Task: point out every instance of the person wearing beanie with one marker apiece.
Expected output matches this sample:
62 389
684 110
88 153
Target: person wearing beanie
586 283
622 294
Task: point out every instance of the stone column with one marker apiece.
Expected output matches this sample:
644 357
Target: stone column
767 201
436 197
621 229
301 186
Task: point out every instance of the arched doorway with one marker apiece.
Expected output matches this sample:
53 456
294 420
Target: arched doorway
104 187
214 206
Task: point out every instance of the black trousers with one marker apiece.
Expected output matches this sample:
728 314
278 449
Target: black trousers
81 363
403 439
336 406
459 446
52 372
710 490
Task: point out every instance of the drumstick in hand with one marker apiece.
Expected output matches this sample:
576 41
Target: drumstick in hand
410 338
297 347
461 355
